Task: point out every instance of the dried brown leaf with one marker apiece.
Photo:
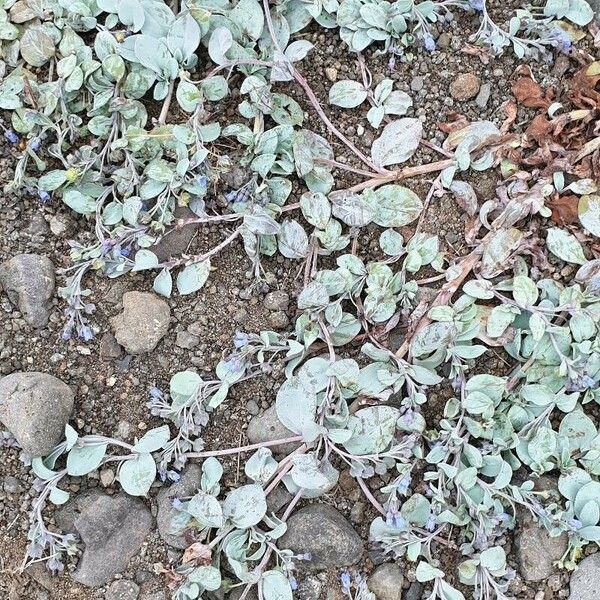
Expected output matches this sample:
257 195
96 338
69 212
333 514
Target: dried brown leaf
564 209
530 94
198 554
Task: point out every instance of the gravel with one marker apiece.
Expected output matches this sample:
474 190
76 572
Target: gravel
28 280
35 408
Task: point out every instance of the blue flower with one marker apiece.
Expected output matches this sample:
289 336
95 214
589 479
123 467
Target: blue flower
395 520
403 485
431 523
202 180
85 333
155 393
561 40
574 524
11 136
173 476
43 196
177 504
125 251
35 143
346 581
428 42
240 339
230 196
293 583
476 5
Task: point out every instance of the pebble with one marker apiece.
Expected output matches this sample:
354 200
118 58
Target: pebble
417 83
123 589
278 320
584 581
60 225
324 533
143 322
109 347
186 340
277 300
464 87
176 241
11 485
107 477
28 280
35 407
252 407
386 582
537 551
113 529
484 95
331 73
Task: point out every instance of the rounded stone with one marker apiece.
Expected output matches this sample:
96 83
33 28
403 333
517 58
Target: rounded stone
268 428
465 87
143 322
322 532
123 589
277 300
584 581
537 551
28 280
386 582
35 407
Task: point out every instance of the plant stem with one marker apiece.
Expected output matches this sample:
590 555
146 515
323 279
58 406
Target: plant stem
249 448
162 118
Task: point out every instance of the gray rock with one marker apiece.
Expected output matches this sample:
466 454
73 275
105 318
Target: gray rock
11 485
266 428
143 322
484 95
159 595
123 589
309 588
61 225
386 582
109 347
326 535
176 241
38 226
414 592
537 551
236 593
417 83
277 300
113 529
187 486
278 498
278 320
186 340
35 407
28 280
585 580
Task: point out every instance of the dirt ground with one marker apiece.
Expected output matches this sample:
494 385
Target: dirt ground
111 393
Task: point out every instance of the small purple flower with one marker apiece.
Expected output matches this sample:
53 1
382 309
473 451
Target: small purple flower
395 520
346 582
561 40
202 180
155 393
574 524
428 42
431 523
230 196
476 5
305 556
293 583
241 339
66 334
403 485
125 251
43 196
173 476
177 504
11 136
35 144
408 417
85 333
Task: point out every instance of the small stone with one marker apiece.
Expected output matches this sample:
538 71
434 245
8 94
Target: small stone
35 407
267 428
28 280
537 551
444 40
584 581
109 347
107 477
11 485
252 407
309 588
331 73
417 83
113 529
176 241
464 87
37 225
278 498
321 531
123 589
187 486
386 582
484 95
414 592
186 340
61 224
278 320
143 322
277 300
158 595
